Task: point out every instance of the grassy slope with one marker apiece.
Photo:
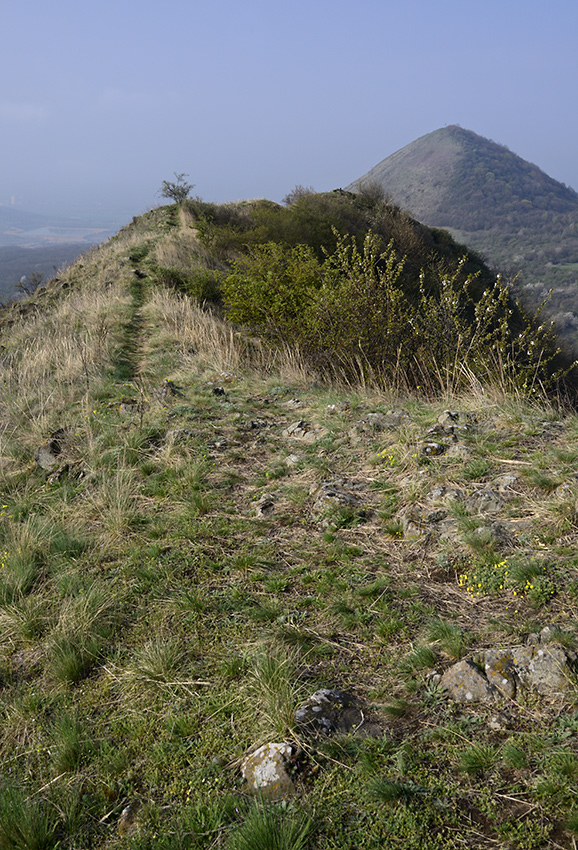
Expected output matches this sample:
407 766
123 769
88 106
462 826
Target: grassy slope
139 589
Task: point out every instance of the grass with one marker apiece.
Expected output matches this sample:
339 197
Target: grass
153 629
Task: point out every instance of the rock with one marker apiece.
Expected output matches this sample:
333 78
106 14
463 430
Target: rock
485 501
169 389
340 407
328 711
47 455
432 449
545 670
500 671
375 422
335 494
127 822
265 504
465 682
293 460
293 403
302 430
265 772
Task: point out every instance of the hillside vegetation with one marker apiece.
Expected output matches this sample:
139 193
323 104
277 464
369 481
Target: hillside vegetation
517 216
202 526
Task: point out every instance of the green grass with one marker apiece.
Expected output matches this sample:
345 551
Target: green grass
154 630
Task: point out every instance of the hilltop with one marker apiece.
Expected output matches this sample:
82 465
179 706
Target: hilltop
214 541
489 198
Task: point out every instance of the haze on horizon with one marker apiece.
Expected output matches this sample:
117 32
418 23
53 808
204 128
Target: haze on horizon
100 103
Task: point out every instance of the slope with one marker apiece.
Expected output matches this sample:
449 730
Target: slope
197 536
494 201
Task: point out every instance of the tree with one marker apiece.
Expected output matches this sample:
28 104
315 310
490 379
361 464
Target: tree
179 190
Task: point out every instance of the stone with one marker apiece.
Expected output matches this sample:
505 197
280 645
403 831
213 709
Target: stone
340 407
500 671
47 455
544 669
302 430
330 711
265 771
504 483
170 389
433 449
127 822
465 682
265 505
485 501
293 460
338 493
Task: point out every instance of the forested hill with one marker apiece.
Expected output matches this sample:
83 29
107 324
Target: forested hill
517 216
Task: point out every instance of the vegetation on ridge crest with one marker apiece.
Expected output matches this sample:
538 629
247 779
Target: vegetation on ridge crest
172 586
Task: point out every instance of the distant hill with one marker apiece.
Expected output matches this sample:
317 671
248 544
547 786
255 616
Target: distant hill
494 201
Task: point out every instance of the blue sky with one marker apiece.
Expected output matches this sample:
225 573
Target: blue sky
100 102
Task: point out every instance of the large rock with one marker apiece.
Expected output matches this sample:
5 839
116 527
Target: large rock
265 771
464 682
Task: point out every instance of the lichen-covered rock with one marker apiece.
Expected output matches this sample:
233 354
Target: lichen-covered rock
464 682
265 771
544 669
500 671
328 711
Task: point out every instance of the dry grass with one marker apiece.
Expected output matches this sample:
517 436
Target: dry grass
203 338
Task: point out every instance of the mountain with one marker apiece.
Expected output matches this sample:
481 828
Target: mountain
226 579
494 201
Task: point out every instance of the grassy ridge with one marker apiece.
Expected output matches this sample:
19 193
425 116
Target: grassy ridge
154 627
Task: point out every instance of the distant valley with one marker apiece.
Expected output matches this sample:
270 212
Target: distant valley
36 246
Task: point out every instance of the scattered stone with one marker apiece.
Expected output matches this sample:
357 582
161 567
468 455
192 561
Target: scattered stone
169 389
302 430
466 683
293 460
266 774
265 504
336 493
46 455
128 404
485 501
500 671
329 712
431 449
293 403
339 407
127 822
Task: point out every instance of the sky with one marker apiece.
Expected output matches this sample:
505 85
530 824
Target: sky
101 102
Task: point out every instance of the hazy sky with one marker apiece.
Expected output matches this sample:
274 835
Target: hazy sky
100 102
